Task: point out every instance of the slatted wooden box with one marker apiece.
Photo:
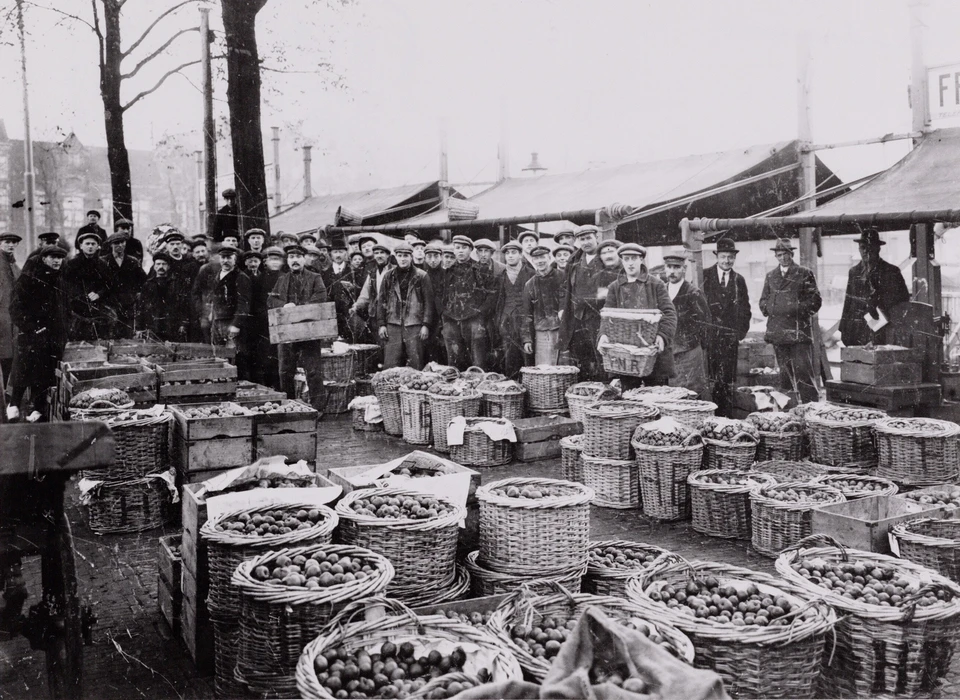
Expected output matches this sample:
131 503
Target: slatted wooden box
539 437
292 434
169 583
204 444
303 322
180 382
139 381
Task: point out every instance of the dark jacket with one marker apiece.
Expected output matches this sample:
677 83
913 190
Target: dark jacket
226 222
693 318
81 276
729 307
414 309
509 313
161 310
541 302
647 292
231 298
126 280
788 302
92 228
880 290
201 291
580 295
300 288
468 291
39 313
9 273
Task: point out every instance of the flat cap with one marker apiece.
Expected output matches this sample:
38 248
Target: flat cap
228 193
291 236
539 251
274 250
381 247
434 247
94 212
171 236
563 246
295 249
676 256
527 234
10 237
88 234
632 249
309 249
419 243
447 249
609 243
122 223
511 245
322 243
49 236
228 250
463 240
484 243
307 234
403 248
118 237
586 230
251 254
162 255
197 242
366 239
564 232
53 250
255 232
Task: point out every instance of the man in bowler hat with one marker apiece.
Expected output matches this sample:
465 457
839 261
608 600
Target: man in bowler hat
874 287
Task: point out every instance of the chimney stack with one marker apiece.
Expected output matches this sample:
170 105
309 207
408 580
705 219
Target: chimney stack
307 167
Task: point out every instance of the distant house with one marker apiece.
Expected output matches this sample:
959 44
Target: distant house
72 178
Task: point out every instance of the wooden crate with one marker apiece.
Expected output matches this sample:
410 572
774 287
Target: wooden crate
203 351
882 374
85 352
196 630
348 477
303 322
880 354
181 381
193 429
128 348
170 603
539 438
138 381
863 523
293 434
211 454
250 394
169 561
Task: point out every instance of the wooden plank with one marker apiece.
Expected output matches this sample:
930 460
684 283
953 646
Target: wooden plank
191 429
195 628
168 392
303 420
887 374
324 311
51 447
880 354
169 561
303 322
201 372
169 602
534 451
194 551
203 350
884 397
216 453
198 477
145 381
305 330
126 348
545 428
294 446
81 373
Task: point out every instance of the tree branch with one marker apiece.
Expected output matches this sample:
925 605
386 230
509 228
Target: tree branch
62 13
155 22
96 30
145 61
157 85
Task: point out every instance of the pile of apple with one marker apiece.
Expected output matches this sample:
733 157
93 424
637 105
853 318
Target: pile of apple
729 430
948 496
742 605
623 558
457 388
852 484
798 494
421 381
221 410
417 472
729 477
852 415
319 570
544 638
276 407
272 522
409 507
393 672
873 583
665 432
477 619
531 492
774 422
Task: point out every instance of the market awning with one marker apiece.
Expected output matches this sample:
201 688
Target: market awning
379 206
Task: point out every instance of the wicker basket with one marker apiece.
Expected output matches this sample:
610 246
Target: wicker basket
366 358
458 589
608 427
547 385
784 470
843 437
777 524
846 484
415 416
423 552
881 651
443 409
663 477
226 549
398 626
226 643
528 607
918 451
501 399
785 443
720 454
723 509
529 536
616 482
781 661
931 542
629 360
690 412
571 458
631 326
583 394
386 387
604 579
656 394
142 443
484 581
364 386
277 622
358 418
337 366
131 505
479 449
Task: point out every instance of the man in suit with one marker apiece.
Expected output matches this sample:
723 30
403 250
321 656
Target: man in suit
580 303
789 298
227 219
9 272
230 301
126 277
509 287
729 306
693 319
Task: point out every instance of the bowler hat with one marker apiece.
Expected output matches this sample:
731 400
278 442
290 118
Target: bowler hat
87 234
463 240
10 237
726 245
630 249
870 237
783 245
53 250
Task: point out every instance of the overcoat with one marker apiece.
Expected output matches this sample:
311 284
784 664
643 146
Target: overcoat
788 301
9 273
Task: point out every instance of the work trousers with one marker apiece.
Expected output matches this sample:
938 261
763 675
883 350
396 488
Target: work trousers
691 371
545 347
304 354
403 345
722 372
512 348
466 342
583 347
796 370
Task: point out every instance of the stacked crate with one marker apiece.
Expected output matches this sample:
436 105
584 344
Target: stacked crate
186 381
169 591
205 447
881 365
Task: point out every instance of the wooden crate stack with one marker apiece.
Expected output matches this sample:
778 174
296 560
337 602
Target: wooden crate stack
539 437
881 365
289 433
139 381
196 381
754 352
196 630
205 447
169 590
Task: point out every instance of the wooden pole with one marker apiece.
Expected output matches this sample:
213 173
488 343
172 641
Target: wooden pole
693 242
918 71
307 171
277 203
29 179
209 131
444 166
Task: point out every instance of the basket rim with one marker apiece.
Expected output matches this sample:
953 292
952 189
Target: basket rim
475 566
692 405
550 369
758 496
946 428
634 409
325 526
242 577
579 495
817 419
469 393
629 314
693 478
890 490
644 447
446 520
753 442
904 531
596 570
658 394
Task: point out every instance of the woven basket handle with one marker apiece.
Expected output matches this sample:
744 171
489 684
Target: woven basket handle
687 441
819 539
357 607
661 564
553 586
742 433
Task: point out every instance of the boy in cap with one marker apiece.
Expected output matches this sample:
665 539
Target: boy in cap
405 312
509 310
256 239
227 219
564 236
561 256
637 289
528 240
125 276
729 302
485 250
693 321
469 297
296 287
540 319
447 257
93 226
419 254
580 303
160 309
874 287
9 272
86 282
789 299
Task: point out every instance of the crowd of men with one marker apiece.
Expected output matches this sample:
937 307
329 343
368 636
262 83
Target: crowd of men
458 303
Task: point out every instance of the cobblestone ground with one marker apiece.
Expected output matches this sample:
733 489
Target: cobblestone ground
135 655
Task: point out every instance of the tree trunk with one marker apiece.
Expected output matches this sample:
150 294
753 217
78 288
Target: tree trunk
119 161
243 99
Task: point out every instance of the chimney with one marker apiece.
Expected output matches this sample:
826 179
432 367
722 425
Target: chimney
307 166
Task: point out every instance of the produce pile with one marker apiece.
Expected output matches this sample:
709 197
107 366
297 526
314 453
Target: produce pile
272 522
457 388
930 428
275 407
393 377
873 583
415 472
729 477
319 570
501 386
532 492
91 397
197 382
275 482
623 558
222 410
598 390
421 381
851 415
410 507
477 619
128 359
947 496
393 672
796 493
666 432
775 422
741 605
853 485
729 430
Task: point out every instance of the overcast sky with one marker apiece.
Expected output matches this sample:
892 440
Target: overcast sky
582 83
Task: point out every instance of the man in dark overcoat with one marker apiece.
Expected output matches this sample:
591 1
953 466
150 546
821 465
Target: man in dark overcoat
789 298
693 320
126 277
729 302
93 226
510 284
161 309
581 300
230 306
87 282
405 312
9 272
469 299
227 219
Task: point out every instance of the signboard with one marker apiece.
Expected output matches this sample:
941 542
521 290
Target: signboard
943 93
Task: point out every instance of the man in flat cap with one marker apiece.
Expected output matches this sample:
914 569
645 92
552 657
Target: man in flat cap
93 226
528 240
323 261
44 239
564 236
789 299
469 298
200 250
227 219
693 322
307 237
376 269
126 278
874 287
419 254
540 319
9 273
638 289
509 286
230 307
729 301
405 312
134 246
338 263
485 249
447 257
255 239
38 311
561 256
296 287
161 310
87 283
